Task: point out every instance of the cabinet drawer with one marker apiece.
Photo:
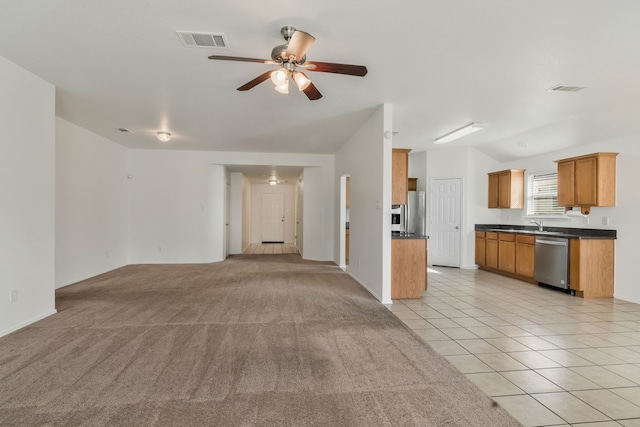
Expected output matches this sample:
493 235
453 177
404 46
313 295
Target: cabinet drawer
506 237
520 238
480 234
491 236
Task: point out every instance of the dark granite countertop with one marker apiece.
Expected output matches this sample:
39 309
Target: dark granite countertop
570 233
408 236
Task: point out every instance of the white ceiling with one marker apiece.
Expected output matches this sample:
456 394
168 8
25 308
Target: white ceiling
441 64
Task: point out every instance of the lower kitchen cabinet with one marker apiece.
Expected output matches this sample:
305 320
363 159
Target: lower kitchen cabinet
408 268
491 250
507 252
346 247
591 261
525 255
480 248
591 267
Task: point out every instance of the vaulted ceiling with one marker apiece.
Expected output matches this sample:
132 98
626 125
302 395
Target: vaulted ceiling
441 64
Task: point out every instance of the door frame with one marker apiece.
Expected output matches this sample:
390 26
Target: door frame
342 239
460 215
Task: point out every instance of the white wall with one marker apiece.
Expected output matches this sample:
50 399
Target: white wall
27 197
366 157
235 227
168 202
91 204
288 193
318 222
418 168
471 166
175 196
623 217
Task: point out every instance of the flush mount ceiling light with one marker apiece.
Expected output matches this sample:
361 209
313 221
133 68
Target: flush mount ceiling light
164 136
459 133
273 180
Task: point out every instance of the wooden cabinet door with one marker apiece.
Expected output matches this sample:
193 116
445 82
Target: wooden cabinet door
566 183
494 193
480 248
506 253
504 190
399 176
491 250
525 256
348 192
586 187
408 268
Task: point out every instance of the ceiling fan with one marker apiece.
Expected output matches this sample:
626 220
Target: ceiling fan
291 56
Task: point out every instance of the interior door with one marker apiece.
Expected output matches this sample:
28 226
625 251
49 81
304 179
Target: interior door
272 218
444 236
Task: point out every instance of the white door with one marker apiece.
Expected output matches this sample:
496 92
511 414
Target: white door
444 236
273 218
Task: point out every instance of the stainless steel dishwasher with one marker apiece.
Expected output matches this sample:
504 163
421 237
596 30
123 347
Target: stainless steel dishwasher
551 265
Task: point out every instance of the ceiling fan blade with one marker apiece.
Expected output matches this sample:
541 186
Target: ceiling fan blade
238 58
330 67
255 82
312 92
299 44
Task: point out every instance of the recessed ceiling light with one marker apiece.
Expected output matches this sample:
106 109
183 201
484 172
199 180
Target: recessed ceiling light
164 136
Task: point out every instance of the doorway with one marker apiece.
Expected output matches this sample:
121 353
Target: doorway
445 233
272 218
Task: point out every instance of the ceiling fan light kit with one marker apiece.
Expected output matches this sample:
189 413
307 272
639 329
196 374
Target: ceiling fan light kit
289 57
459 133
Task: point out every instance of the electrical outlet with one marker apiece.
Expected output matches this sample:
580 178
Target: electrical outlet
14 295
358 261
107 254
605 220
585 220
159 248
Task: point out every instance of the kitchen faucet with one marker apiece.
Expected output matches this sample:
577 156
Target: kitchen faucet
538 223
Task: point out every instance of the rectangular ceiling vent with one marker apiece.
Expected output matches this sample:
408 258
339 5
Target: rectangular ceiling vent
563 88
209 40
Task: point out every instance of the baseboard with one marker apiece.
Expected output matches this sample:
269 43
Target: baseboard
376 296
58 286
27 323
625 298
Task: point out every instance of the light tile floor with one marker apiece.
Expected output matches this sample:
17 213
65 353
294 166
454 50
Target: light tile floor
548 358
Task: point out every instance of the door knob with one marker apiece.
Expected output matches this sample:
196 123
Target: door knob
457 228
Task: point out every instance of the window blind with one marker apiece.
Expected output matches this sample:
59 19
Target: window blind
542 194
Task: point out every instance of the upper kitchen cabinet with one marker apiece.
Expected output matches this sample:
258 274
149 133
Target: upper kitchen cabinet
400 176
506 189
587 181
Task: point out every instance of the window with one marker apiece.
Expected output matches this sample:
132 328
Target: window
542 194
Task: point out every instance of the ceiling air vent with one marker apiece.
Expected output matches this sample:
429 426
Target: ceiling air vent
210 40
563 88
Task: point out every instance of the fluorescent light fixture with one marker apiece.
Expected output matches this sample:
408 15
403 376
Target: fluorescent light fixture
459 133
164 136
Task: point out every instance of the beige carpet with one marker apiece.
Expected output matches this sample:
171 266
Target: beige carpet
264 340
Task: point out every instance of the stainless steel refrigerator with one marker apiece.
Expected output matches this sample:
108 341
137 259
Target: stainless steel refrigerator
416 213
